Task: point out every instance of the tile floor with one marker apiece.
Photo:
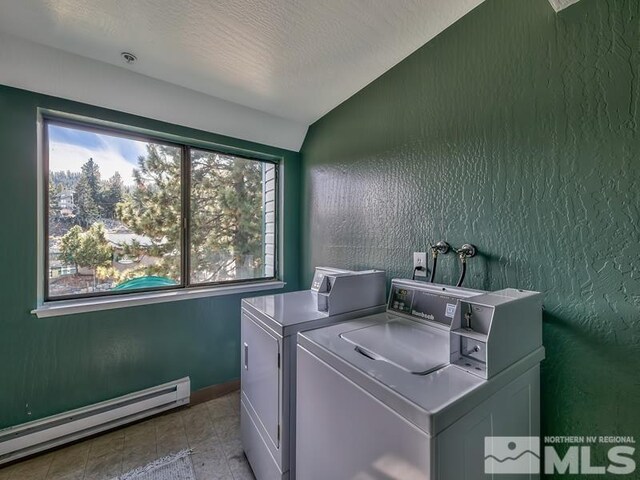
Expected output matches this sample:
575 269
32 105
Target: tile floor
211 429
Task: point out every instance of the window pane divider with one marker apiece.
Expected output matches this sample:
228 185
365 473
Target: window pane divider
186 216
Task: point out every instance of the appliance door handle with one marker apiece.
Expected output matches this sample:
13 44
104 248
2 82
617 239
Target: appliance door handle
246 356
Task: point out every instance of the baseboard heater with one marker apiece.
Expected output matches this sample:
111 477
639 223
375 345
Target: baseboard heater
32 437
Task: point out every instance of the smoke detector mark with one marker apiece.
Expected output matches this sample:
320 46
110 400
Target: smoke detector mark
128 58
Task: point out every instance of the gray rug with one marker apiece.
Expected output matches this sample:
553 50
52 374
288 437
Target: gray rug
176 466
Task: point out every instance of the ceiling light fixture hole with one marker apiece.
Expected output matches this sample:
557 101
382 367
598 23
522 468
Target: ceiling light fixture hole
129 58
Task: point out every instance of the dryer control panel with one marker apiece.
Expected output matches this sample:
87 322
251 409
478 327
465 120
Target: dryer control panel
340 291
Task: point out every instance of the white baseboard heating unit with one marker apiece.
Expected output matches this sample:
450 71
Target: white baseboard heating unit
32 437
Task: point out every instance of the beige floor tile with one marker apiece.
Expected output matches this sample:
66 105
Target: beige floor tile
236 461
137 457
169 423
69 462
195 410
108 443
171 442
210 468
234 453
212 448
104 467
198 426
242 471
228 428
35 468
220 407
201 432
198 415
234 400
143 428
70 476
141 440
232 447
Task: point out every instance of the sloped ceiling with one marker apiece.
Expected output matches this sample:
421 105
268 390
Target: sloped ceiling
292 60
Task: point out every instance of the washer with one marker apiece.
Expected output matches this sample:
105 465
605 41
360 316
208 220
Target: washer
412 393
268 371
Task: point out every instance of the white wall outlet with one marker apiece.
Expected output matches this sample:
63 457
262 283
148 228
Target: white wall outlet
420 260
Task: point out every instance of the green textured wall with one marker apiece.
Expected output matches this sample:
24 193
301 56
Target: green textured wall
55 364
517 130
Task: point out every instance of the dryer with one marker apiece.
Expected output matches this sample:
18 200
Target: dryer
421 391
269 325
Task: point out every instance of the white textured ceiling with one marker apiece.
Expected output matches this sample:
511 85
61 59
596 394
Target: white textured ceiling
295 59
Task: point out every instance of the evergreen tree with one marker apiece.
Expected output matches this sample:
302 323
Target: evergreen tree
88 249
152 208
225 206
87 192
64 180
54 200
95 250
112 194
226 216
70 245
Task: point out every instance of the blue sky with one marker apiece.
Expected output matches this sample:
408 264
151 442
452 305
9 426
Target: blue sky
69 148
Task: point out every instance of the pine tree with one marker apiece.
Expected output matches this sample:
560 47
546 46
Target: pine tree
225 206
226 217
64 180
94 250
54 200
153 209
88 249
70 245
112 194
87 192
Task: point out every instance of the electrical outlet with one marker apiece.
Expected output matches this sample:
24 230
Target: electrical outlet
420 260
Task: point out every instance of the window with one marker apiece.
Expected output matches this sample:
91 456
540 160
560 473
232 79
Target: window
128 213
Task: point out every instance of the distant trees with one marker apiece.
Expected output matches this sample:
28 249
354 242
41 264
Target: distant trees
64 180
54 200
94 198
112 195
87 198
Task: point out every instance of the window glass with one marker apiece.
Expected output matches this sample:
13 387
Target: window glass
114 213
116 220
230 231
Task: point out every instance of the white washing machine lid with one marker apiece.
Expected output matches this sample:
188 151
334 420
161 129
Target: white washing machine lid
408 345
432 400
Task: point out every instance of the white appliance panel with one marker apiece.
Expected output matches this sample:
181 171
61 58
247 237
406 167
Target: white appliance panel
336 438
260 375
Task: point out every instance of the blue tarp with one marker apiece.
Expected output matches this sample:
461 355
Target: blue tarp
145 283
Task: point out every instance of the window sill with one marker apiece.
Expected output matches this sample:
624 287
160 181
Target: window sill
69 307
